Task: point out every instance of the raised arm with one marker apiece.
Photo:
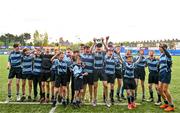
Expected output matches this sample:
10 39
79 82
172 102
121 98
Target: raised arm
138 60
106 48
54 57
92 47
120 57
166 52
107 39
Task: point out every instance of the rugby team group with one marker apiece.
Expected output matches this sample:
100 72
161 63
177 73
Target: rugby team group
68 72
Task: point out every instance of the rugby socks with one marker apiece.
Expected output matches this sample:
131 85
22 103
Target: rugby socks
136 92
159 97
112 94
104 97
43 95
17 93
9 93
166 102
122 91
170 104
52 97
129 99
132 98
117 91
151 93
47 95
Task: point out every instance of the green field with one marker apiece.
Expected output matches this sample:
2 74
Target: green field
144 107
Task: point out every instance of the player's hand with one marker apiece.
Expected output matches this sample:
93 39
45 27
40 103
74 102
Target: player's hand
94 39
85 74
161 45
102 39
83 65
107 38
8 67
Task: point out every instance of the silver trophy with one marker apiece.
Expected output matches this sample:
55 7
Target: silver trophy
98 41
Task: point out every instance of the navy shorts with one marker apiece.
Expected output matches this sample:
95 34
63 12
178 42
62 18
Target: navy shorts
15 72
140 73
89 79
78 84
27 76
153 77
110 78
129 83
61 80
53 74
165 77
45 75
99 74
118 74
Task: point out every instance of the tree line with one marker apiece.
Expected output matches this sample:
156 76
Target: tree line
39 39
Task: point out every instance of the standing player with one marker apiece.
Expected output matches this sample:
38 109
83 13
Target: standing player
78 81
27 62
127 54
118 73
60 77
53 70
129 80
153 65
99 55
88 59
46 74
110 65
14 64
68 60
37 66
165 63
140 73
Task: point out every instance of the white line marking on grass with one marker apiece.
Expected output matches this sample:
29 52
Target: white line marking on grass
38 103
52 110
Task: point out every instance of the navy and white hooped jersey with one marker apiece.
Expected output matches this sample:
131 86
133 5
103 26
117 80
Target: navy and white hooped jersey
129 70
88 59
77 71
164 63
142 63
68 60
37 65
110 65
153 64
118 64
124 60
62 66
99 60
53 67
15 59
27 64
